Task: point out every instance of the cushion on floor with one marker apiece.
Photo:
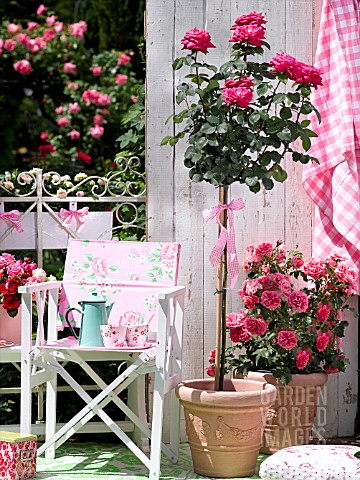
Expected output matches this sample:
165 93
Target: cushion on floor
315 462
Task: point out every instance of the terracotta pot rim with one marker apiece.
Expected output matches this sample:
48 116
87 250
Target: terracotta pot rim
189 391
315 378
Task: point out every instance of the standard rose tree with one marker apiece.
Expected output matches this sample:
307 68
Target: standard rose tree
292 320
240 124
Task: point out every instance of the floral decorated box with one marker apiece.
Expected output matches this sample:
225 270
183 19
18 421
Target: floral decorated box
17 455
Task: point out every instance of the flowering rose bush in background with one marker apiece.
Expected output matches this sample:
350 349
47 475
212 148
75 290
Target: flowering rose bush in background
292 316
75 94
13 274
240 122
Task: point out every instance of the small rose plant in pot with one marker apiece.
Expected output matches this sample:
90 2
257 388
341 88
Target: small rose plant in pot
13 274
292 316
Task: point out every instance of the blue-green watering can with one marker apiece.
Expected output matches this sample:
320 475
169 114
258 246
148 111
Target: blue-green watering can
94 313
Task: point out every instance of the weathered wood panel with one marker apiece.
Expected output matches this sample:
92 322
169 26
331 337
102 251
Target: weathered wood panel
175 204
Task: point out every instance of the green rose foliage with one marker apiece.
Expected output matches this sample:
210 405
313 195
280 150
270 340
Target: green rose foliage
231 143
72 99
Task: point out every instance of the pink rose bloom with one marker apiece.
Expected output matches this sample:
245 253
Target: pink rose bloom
121 79
49 35
270 300
51 20
323 312
322 341
210 371
32 26
134 99
74 107
197 40
98 119
123 59
346 274
59 26
134 277
96 71
23 67
5 259
74 134
298 301
250 301
72 85
212 356
302 359
265 269
90 95
253 18
63 122
78 29
10 44
239 82
70 68
23 38
59 110
103 100
97 131
329 369
104 111
287 339
237 96
131 318
297 71
13 28
44 136
100 267
337 256
252 34
314 268
41 9
80 193
61 193
256 326
263 249
35 45
169 252
15 268
239 334
234 320
297 262
285 287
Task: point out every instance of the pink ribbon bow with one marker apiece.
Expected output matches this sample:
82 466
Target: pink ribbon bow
78 215
13 217
225 237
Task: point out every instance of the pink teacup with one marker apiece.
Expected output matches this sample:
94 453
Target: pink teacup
137 335
113 335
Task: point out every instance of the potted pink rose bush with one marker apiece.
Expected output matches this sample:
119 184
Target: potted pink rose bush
289 333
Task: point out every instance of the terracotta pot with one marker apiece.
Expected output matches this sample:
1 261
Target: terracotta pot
10 327
291 417
225 428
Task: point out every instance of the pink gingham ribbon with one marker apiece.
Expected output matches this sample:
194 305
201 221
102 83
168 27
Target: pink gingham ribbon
225 237
78 215
13 217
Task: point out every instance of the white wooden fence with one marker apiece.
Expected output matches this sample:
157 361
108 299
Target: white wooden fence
175 204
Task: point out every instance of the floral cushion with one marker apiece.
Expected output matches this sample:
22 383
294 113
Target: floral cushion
315 462
129 274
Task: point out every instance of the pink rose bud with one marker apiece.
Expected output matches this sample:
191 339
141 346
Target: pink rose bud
44 136
41 9
134 99
80 193
59 110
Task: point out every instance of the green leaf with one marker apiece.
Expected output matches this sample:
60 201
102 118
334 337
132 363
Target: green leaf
251 181
305 123
173 141
262 88
197 177
306 143
165 140
286 113
285 135
207 129
89 257
280 175
178 63
279 97
268 183
294 97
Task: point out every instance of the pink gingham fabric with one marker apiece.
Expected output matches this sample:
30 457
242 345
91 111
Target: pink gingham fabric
333 185
225 237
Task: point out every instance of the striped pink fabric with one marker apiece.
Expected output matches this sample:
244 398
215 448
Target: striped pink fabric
334 184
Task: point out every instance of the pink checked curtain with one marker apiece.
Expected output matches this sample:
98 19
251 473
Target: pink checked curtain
334 184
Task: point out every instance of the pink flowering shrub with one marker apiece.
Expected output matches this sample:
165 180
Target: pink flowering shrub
71 87
13 274
238 118
292 320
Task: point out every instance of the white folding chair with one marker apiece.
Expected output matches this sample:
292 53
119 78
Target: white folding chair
140 278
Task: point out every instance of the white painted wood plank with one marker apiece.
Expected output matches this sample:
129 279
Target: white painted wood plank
159 106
